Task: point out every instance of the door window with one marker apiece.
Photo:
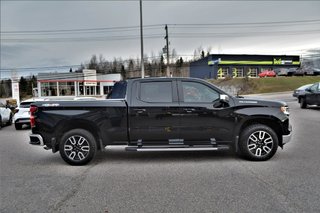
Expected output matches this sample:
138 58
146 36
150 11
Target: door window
156 92
314 88
197 92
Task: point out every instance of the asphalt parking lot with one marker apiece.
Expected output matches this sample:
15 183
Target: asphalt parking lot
35 180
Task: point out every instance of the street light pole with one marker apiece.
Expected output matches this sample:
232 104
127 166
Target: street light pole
141 41
167 45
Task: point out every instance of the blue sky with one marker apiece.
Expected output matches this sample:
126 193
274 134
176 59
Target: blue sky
230 29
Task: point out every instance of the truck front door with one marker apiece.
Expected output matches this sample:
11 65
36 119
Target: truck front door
203 118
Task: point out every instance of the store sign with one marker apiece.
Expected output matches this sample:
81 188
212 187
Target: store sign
90 77
279 61
15 86
15 91
213 62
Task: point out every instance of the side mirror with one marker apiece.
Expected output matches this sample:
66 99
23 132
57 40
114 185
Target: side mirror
223 101
224 98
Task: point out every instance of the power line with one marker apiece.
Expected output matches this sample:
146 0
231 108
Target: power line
79 30
155 36
75 39
161 25
248 23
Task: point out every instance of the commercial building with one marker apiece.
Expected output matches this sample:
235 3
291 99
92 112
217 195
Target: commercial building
85 83
227 65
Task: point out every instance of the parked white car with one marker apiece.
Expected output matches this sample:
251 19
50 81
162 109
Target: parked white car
22 115
5 115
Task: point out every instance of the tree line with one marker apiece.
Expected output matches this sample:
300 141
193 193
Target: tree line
155 66
26 85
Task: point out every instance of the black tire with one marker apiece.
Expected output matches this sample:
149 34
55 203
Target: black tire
258 142
9 121
303 103
18 126
75 153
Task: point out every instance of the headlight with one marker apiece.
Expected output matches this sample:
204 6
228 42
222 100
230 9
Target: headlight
285 110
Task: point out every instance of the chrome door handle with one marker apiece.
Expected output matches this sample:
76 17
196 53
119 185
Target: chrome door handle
189 110
139 111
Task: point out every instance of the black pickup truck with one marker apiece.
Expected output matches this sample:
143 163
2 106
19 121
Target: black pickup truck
161 114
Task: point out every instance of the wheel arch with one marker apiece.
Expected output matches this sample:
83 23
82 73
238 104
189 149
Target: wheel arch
77 124
271 122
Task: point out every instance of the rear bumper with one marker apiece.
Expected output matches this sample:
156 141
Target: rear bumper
36 139
22 121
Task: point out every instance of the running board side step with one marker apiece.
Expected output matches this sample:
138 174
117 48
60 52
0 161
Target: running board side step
184 148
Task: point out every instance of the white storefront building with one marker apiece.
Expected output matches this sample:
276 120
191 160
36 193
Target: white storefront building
74 84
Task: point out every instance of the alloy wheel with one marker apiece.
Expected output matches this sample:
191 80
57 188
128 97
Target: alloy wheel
76 148
260 143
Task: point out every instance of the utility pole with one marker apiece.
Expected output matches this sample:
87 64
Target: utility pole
167 48
141 39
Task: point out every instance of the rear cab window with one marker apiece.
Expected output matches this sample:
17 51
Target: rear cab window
118 91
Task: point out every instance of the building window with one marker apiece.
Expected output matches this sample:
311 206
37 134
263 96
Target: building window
49 89
252 72
98 89
223 72
81 90
237 72
44 88
89 90
106 89
66 88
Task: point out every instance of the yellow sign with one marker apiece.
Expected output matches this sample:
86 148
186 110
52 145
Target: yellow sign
277 61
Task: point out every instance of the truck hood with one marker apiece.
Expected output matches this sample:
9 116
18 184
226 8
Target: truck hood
258 102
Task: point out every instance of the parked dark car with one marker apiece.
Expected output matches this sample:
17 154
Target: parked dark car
285 71
301 90
311 96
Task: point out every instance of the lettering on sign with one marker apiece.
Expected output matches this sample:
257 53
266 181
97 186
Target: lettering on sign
220 73
235 74
277 61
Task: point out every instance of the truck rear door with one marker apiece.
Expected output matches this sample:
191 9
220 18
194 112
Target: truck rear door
153 112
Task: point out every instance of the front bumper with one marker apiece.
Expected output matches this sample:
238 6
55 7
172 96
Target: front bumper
287 138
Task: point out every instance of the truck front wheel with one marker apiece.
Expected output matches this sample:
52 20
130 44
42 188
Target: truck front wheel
77 147
258 142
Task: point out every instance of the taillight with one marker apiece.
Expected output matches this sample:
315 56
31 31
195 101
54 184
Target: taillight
33 110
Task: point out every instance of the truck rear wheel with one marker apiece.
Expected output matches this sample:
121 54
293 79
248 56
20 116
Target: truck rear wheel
77 147
258 142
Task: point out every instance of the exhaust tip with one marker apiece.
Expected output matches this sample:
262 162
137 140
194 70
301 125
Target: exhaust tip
36 139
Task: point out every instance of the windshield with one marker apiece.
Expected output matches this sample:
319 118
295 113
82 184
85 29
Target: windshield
305 86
